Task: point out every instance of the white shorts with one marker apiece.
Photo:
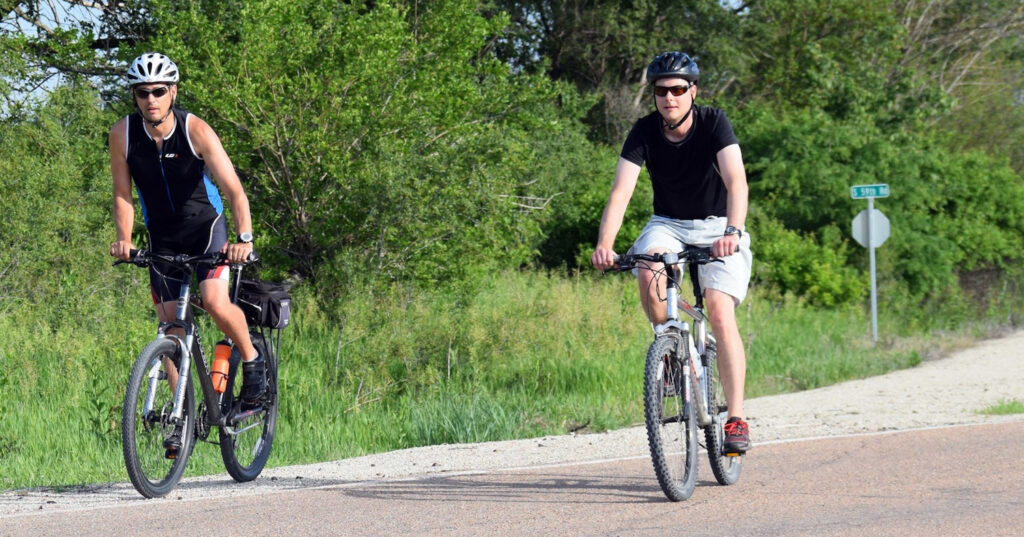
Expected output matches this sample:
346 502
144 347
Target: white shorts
731 277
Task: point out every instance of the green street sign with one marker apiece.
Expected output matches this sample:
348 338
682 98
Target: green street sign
859 192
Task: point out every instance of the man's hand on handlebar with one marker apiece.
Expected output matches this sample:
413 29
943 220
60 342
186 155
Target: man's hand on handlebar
239 253
726 246
121 250
603 258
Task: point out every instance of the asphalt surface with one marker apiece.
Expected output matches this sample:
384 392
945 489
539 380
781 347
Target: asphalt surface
906 453
962 480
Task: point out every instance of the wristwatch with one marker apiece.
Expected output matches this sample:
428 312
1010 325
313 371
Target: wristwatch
733 230
245 236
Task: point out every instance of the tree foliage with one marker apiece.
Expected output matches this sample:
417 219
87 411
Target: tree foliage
381 138
417 140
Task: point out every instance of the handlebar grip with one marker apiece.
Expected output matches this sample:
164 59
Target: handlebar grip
131 258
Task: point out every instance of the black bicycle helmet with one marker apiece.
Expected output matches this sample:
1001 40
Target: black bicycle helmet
673 65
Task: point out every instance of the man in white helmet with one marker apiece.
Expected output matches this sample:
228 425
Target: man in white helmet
170 155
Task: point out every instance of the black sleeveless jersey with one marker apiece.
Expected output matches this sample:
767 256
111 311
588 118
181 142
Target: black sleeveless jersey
174 189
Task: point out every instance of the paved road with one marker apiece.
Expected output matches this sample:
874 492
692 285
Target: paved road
947 481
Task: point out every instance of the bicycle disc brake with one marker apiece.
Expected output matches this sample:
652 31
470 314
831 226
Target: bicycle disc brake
202 428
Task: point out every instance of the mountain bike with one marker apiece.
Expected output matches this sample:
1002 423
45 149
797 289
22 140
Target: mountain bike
682 389
152 409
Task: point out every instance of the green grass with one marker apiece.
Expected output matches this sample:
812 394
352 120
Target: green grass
1004 408
522 354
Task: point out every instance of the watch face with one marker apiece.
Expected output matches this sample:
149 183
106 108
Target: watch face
245 237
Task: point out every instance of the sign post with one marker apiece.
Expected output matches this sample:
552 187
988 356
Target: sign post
870 229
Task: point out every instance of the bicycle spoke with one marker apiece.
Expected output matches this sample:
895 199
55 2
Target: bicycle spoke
671 425
146 422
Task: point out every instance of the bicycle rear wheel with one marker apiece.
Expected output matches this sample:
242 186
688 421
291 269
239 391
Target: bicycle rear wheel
143 432
245 453
671 422
726 469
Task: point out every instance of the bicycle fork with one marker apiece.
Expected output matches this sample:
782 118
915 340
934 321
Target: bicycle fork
691 353
692 358
184 351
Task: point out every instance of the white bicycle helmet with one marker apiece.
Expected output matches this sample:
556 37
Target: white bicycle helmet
152 67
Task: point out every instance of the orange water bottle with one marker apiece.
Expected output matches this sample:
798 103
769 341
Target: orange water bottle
219 369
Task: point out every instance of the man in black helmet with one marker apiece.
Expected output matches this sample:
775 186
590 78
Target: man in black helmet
700 198
170 155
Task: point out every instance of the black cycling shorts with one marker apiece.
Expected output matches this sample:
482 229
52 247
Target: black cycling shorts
165 281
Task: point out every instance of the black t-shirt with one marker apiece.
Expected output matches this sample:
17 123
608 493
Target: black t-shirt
685 177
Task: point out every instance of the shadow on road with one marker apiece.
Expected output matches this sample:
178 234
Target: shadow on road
528 488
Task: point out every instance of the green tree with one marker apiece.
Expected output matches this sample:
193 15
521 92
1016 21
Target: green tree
56 192
375 137
604 47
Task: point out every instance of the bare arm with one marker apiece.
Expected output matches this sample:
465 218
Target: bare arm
626 175
208 146
730 162
124 210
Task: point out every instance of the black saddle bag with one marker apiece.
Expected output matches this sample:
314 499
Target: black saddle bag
266 304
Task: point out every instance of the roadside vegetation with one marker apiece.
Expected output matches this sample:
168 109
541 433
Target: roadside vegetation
430 176
1009 406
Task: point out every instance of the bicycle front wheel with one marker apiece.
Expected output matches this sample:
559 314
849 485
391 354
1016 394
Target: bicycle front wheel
726 468
143 429
245 448
670 419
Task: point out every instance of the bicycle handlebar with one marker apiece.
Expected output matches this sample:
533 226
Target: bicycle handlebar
144 258
690 254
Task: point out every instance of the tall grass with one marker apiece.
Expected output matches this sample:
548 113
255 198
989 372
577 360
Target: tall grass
519 354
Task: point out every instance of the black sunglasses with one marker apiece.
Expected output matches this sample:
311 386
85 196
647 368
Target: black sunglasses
143 93
662 91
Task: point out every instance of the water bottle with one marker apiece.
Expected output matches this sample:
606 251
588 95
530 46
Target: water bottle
219 369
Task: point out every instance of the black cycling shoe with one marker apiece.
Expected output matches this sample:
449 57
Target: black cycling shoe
172 444
254 381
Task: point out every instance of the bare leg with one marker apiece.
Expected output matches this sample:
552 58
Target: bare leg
732 360
166 312
227 316
652 295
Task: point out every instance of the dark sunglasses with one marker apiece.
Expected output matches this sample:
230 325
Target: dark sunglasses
143 93
662 91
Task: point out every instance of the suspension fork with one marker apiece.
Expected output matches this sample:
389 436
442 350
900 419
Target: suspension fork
698 392
186 350
154 379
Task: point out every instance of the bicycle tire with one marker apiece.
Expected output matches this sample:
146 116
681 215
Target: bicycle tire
246 454
142 437
671 424
726 469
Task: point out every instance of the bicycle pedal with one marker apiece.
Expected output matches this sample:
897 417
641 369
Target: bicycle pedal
245 414
733 454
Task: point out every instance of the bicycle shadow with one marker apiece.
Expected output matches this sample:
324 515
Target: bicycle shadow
544 488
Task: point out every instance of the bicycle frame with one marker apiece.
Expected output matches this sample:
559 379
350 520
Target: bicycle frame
191 347
693 345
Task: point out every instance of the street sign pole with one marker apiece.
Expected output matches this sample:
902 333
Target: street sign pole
877 231
874 289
